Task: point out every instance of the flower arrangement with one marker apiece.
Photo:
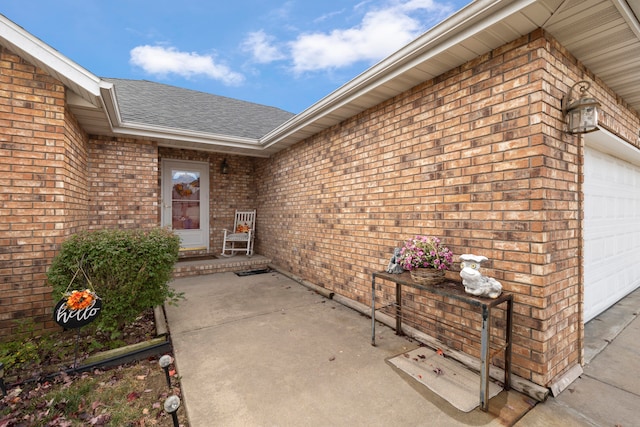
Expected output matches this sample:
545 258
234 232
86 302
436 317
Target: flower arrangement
77 300
243 228
183 189
425 252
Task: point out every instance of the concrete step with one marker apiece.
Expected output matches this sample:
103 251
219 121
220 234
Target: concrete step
199 266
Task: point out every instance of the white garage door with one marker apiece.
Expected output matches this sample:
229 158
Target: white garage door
611 221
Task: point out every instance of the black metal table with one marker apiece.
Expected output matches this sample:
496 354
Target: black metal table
455 291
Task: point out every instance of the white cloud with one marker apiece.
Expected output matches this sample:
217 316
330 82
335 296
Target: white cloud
381 32
429 5
162 61
261 47
384 27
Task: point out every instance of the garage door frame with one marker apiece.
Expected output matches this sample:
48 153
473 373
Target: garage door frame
602 279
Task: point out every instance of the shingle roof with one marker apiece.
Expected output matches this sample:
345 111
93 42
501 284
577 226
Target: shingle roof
151 103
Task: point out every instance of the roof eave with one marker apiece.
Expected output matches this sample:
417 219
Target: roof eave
32 49
470 20
449 44
181 138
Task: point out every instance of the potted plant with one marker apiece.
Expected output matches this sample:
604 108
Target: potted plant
426 259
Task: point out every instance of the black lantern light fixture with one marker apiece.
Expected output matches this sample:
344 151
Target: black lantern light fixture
581 113
224 167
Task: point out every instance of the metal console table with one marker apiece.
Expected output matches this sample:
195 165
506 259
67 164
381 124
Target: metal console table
456 292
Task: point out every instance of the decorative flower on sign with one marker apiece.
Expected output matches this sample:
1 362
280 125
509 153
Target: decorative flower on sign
425 252
77 300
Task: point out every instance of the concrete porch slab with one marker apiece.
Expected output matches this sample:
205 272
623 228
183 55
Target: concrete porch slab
264 350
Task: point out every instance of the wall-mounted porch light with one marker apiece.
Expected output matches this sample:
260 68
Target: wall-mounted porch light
224 167
581 113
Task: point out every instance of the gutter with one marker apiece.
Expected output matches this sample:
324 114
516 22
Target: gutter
630 15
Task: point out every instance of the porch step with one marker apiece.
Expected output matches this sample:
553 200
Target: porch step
186 268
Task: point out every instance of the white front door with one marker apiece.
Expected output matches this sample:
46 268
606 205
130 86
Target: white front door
185 201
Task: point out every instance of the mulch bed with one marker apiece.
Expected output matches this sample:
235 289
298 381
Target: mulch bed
31 386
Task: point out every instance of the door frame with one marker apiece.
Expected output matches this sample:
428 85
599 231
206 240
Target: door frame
189 239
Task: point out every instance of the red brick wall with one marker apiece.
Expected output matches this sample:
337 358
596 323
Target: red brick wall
75 178
477 156
123 183
53 183
37 187
565 329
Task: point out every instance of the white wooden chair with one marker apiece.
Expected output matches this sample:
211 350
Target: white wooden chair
243 234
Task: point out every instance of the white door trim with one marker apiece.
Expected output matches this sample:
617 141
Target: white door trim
191 239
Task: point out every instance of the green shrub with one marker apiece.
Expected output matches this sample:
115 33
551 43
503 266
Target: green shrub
23 349
128 269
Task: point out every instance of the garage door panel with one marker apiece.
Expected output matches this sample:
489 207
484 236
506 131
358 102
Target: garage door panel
611 230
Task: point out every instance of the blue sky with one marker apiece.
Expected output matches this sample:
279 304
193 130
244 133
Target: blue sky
287 54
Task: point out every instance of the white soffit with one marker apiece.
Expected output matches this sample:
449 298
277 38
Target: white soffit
605 36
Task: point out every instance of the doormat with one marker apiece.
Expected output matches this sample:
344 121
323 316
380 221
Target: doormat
253 272
446 377
197 258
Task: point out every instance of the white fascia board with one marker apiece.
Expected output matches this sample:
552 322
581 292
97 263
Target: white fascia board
473 19
167 133
109 102
46 57
609 143
88 86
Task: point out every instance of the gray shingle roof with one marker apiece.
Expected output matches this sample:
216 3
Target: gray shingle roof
157 104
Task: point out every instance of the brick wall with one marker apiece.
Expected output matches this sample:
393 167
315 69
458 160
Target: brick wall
123 183
57 181
74 179
564 323
36 188
54 183
477 156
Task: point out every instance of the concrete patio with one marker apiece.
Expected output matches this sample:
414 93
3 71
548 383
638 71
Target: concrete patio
263 350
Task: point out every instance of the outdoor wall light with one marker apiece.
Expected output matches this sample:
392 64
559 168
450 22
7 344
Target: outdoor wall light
171 405
581 113
224 167
164 363
2 386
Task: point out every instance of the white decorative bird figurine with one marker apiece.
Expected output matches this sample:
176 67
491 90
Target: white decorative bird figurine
474 282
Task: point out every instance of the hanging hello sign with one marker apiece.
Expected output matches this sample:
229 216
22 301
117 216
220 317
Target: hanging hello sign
77 308
71 316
